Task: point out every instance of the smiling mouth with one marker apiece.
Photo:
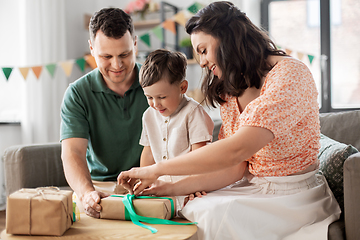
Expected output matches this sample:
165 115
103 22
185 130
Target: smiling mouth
116 72
213 69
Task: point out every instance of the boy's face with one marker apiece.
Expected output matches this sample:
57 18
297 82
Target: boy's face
165 97
115 58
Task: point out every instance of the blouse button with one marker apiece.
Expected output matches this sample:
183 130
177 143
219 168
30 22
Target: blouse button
164 157
166 121
164 139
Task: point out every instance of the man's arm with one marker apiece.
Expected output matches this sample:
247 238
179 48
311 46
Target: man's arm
78 176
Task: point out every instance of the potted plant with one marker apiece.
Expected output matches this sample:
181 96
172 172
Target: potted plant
186 47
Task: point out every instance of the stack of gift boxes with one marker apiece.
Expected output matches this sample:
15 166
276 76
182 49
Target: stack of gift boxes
50 211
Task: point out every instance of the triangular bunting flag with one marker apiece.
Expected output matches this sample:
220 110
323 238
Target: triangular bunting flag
67 67
300 55
24 72
91 61
7 72
311 58
146 39
37 71
158 32
180 18
169 25
51 68
288 51
195 7
81 63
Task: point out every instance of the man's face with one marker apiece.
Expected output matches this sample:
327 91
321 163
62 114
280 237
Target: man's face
115 58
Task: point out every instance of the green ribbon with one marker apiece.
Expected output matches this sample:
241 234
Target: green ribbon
137 219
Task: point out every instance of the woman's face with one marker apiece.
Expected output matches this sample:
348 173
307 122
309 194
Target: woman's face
206 47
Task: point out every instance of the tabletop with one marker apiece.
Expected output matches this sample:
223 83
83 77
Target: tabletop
92 228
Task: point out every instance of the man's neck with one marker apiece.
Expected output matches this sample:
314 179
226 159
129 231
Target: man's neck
121 88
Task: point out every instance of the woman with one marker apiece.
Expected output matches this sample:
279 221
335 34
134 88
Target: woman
265 162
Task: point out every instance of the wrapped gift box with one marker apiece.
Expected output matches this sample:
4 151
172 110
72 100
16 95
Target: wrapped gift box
40 211
154 207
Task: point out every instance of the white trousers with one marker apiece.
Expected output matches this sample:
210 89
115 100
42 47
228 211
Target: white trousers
269 208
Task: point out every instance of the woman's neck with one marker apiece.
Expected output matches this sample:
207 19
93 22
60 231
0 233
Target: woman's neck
248 96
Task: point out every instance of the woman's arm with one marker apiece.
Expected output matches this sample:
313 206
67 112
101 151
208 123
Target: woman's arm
196 183
219 155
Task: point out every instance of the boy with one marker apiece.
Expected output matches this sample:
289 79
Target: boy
174 124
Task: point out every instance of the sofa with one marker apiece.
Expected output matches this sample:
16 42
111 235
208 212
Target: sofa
40 165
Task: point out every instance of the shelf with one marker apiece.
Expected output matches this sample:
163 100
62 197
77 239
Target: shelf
146 24
192 61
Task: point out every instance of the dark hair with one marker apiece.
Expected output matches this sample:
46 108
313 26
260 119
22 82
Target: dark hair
242 52
162 63
113 22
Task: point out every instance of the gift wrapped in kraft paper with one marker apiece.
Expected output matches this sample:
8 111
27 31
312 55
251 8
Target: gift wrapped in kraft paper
40 211
153 207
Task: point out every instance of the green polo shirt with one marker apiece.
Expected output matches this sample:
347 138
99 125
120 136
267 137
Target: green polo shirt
111 123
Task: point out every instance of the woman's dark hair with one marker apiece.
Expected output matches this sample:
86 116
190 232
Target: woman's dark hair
242 52
163 63
113 22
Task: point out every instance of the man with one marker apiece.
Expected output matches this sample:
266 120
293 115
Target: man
101 112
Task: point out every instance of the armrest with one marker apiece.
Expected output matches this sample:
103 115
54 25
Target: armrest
352 196
29 166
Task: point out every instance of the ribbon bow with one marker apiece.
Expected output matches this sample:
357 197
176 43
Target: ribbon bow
137 219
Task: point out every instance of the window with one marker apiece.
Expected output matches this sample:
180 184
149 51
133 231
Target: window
329 48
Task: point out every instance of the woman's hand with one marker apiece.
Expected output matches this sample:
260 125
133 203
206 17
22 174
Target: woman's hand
159 188
146 175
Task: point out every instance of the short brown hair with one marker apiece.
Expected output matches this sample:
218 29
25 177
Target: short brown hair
113 22
162 63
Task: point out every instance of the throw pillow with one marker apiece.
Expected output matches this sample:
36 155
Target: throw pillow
332 155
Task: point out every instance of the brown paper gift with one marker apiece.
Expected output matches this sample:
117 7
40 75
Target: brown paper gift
113 207
40 211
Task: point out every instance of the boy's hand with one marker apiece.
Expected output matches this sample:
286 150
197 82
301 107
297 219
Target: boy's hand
192 196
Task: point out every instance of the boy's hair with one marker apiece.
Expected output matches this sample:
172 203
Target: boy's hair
163 63
113 22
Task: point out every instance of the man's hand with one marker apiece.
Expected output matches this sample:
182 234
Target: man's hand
90 202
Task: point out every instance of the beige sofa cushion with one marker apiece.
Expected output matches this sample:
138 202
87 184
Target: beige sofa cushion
342 127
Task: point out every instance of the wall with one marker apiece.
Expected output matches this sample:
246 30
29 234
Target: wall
77 37
77 45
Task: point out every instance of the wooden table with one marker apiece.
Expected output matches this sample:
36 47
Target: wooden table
91 228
